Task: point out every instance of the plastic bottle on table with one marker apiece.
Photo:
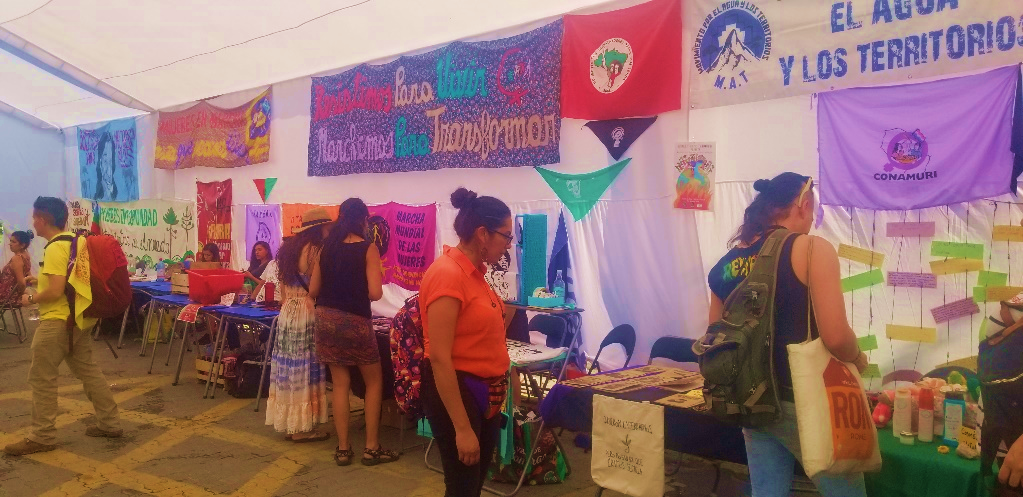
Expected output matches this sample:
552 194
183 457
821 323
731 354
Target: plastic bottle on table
161 273
926 424
559 286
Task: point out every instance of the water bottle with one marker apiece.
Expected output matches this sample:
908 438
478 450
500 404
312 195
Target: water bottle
33 310
160 270
559 286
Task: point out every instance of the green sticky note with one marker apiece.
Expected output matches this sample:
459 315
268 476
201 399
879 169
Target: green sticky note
991 278
872 371
862 280
867 343
980 294
957 250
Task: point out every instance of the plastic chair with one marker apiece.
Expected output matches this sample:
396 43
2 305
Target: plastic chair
20 328
624 335
552 327
676 349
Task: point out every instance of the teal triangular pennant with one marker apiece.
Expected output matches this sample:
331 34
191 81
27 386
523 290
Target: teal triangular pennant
270 184
580 192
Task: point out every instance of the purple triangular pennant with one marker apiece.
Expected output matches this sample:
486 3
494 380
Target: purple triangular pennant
617 135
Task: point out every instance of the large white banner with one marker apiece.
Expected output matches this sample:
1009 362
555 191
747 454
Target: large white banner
149 230
628 447
749 50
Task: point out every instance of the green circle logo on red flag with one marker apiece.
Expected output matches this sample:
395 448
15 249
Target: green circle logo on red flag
611 64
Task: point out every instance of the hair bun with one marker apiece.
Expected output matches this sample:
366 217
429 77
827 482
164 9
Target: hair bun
31 235
761 185
461 197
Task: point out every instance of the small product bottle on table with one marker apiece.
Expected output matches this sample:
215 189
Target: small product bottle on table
926 423
559 286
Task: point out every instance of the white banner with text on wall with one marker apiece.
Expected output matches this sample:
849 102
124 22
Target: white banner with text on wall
750 50
628 447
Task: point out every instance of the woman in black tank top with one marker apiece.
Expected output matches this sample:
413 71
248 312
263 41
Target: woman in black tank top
787 201
346 278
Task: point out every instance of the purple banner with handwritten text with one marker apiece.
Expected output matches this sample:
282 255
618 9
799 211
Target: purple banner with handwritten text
479 105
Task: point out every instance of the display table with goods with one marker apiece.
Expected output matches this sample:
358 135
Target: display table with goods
688 427
921 470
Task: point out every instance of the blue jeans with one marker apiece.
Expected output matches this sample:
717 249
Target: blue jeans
772 454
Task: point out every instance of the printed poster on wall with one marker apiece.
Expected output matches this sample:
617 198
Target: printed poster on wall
208 136
764 49
695 185
213 202
628 446
479 105
262 224
108 162
291 215
148 230
406 237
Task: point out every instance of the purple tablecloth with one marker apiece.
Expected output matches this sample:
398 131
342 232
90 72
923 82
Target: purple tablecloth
685 430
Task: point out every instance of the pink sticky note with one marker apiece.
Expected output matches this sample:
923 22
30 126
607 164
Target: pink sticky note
957 309
923 229
912 280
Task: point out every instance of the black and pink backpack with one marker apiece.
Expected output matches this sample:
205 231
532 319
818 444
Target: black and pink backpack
407 354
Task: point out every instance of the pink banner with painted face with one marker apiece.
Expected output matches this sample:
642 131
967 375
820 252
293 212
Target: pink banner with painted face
406 236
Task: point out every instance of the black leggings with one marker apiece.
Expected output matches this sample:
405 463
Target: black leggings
459 479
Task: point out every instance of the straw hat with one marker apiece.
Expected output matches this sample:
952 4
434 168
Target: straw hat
313 217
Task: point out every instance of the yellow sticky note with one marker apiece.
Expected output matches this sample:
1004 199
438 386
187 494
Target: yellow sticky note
1000 293
1007 233
968 437
912 333
953 266
861 255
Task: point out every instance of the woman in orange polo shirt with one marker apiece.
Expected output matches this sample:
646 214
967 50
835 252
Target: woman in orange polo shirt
465 374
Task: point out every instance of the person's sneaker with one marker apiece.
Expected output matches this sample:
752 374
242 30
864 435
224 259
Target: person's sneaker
26 447
95 431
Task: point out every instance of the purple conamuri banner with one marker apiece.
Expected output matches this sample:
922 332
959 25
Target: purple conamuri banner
484 104
916 146
406 236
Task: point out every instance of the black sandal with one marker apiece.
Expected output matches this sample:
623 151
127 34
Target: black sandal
378 456
343 457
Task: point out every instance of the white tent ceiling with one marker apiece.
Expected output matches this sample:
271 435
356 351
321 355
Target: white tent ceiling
164 53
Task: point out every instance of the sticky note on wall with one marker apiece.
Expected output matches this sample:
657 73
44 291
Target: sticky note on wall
867 343
912 280
911 333
954 310
862 280
1007 233
872 371
923 229
991 278
959 250
861 255
953 266
1000 293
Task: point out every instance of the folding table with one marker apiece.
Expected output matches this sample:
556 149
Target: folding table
255 316
150 289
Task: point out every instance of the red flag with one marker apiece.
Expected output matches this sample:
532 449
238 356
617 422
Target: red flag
624 63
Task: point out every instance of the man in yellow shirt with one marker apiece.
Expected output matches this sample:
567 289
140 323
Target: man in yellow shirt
51 345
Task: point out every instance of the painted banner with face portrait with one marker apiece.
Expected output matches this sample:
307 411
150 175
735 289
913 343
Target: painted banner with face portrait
405 236
108 162
262 224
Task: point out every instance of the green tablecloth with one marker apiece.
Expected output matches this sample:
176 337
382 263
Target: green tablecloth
919 470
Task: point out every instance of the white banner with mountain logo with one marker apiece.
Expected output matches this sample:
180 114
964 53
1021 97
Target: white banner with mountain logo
149 230
750 50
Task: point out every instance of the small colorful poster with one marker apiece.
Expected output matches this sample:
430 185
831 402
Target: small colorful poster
213 202
406 238
108 162
208 136
465 105
262 224
695 163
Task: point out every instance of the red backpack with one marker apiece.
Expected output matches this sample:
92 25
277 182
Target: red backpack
108 275
407 356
